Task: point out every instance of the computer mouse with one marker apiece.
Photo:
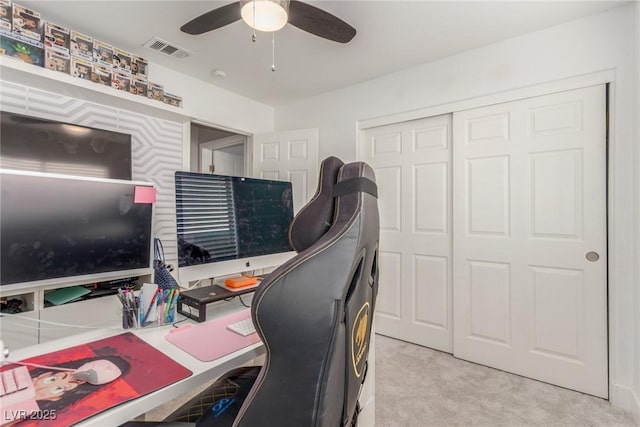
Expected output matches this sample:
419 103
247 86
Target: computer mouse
98 372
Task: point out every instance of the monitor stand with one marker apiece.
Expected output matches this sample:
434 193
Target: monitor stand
198 298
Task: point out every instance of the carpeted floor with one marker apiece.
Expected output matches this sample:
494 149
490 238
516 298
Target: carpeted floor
420 387
417 386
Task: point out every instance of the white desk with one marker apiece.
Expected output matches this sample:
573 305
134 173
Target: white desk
202 371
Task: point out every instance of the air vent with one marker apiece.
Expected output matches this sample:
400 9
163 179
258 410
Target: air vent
167 48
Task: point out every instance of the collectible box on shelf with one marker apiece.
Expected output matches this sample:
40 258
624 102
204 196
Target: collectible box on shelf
26 22
26 36
5 15
101 74
139 67
56 36
81 68
22 48
121 60
120 80
173 100
81 46
57 59
138 86
155 91
102 53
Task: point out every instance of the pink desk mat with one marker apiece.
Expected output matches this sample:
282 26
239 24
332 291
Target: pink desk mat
211 340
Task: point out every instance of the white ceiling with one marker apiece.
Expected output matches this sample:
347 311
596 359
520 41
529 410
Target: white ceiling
392 35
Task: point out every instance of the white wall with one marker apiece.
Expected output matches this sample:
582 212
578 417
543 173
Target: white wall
589 45
214 105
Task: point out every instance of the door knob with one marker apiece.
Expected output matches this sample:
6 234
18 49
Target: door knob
593 256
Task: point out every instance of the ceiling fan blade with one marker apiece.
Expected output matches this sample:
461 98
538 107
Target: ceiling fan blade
213 19
320 23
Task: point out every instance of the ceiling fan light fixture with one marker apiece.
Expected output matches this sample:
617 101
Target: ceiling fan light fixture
265 15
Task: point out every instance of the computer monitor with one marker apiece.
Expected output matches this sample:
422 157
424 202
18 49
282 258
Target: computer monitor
226 225
38 145
60 230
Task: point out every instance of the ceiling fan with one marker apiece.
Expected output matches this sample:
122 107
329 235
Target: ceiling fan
271 15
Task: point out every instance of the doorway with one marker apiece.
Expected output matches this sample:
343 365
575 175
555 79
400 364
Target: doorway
218 151
287 155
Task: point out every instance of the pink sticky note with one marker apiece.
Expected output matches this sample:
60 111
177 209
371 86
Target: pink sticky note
144 194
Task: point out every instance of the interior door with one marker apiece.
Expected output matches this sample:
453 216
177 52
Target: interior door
412 165
224 156
206 160
288 156
529 208
227 163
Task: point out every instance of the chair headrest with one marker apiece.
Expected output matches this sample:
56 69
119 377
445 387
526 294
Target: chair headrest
316 217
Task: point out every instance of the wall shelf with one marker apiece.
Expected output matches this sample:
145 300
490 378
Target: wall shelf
12 70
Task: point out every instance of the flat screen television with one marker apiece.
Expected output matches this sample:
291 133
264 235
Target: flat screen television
58 229
38 145
228 224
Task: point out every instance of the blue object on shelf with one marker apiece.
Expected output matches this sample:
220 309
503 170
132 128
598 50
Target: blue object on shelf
65 295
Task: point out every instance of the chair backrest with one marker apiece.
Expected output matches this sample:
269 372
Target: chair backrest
314 312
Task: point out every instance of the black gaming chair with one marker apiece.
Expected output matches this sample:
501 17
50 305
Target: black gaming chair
314 313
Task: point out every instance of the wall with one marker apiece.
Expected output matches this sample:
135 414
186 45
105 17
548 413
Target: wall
213 105
592 44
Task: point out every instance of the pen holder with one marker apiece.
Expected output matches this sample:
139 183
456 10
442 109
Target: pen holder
129 318
151 317
157 310
166 308
167 314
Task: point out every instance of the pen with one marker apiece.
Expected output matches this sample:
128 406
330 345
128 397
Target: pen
153 301
159 305
172 303
168 305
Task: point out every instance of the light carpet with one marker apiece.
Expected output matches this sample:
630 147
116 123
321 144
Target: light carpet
417 386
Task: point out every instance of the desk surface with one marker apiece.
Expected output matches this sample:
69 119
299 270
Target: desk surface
202 371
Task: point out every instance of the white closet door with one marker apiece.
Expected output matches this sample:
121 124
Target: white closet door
289 156
529 208
412 165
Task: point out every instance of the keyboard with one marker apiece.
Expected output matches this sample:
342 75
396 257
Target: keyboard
244 327
17 395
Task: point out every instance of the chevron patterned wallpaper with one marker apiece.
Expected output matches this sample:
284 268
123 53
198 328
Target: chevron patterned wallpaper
156 144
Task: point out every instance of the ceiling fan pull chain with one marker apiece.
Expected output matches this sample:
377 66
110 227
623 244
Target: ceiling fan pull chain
273 52
253 36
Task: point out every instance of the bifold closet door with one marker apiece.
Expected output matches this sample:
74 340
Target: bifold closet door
412 165
529 248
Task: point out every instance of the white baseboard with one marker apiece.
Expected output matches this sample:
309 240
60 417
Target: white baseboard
626 399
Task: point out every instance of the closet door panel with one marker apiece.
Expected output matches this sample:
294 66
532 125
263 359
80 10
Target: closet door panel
529 240
413 171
